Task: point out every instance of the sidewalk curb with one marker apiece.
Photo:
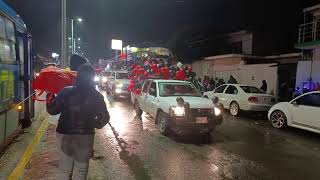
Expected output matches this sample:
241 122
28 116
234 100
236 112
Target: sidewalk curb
18 171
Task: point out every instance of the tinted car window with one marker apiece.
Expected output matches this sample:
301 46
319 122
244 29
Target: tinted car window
145 87
310 100
252 89
220 89
231 90
178 89
153 89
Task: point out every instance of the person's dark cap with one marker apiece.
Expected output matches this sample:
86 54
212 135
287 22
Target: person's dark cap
76 61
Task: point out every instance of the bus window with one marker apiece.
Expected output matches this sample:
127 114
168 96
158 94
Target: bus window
2 28
7 84
7 44
10 44
10 51
10 30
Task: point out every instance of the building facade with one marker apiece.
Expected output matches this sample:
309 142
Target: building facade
308 70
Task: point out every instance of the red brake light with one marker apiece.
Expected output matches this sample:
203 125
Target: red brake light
253 99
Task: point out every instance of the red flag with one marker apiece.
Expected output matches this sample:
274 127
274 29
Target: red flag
53 80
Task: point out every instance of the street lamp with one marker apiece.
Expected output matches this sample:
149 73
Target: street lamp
72 35
55 56
63 33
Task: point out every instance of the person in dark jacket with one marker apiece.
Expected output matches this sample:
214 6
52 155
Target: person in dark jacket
264 86
232 80
82 109
194 81
220 82
284 92
76 61
212 84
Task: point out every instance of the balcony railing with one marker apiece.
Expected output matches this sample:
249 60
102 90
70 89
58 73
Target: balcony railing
309 32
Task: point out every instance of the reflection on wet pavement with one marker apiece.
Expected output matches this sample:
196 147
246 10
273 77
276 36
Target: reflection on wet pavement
242 148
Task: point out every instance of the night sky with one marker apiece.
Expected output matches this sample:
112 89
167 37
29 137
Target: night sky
135 21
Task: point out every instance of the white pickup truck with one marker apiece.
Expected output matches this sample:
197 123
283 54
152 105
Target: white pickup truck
177 106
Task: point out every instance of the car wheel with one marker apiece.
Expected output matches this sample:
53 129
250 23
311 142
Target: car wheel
206 97
234 109
163 124
278 119
137 108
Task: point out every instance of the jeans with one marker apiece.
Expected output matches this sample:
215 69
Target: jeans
69 166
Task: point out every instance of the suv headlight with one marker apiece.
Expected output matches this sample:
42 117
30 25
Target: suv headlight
217 111
177 111
118 91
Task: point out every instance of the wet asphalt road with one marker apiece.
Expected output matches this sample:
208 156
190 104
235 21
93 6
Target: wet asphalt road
242 148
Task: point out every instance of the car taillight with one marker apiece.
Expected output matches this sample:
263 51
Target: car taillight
253 99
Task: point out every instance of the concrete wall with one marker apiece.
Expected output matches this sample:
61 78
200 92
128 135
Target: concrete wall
221 68
316 54
304 72
245 74
255 73
199 67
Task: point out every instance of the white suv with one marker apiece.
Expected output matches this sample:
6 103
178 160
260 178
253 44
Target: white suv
177 106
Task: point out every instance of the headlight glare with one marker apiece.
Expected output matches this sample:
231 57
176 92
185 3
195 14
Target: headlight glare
118 91
177 111
96 78
217 111
104 79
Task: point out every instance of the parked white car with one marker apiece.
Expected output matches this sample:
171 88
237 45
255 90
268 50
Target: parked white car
236 97
177 106
302 112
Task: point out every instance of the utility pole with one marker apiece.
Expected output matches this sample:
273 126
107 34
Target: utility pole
64 34
72 38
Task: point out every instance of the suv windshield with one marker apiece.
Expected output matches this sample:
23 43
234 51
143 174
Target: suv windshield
178 89
252 89
122 75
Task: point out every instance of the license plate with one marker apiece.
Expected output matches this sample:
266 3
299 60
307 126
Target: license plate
202 120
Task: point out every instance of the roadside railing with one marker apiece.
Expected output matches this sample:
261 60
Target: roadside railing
309 32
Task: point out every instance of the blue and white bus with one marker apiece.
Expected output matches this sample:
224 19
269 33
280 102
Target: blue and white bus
16 72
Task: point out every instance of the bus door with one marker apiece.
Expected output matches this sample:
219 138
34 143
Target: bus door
30 66
21 91
26 75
